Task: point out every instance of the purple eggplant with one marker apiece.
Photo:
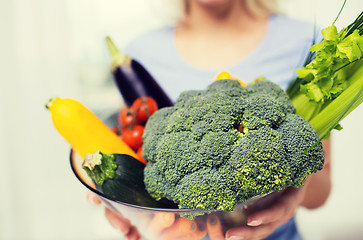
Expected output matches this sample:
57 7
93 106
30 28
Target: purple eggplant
133 80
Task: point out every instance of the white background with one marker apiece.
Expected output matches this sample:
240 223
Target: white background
56 48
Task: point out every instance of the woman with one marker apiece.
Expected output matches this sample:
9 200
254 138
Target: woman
247 39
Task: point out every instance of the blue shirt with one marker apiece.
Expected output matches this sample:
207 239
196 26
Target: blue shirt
284 49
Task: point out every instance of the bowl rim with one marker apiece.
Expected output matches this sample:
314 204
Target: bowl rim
158 209
174 210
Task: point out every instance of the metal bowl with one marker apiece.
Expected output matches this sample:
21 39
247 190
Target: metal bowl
147 219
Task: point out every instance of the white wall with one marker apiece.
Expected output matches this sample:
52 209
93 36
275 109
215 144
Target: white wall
56 48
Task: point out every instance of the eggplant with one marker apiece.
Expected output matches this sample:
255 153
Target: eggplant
120 177
133 80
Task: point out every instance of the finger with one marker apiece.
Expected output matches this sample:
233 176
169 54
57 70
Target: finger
133 234
282 209
118 222
272 214
251 233
214 227
93 199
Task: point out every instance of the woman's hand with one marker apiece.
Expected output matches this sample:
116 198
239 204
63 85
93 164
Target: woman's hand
261 224
122 224
312 195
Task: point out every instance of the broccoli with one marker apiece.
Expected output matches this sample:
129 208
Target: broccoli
226 144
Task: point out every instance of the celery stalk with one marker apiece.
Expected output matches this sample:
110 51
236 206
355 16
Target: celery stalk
341 106
330 85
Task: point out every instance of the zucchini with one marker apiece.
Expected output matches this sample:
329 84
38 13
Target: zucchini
133 80
120 177
83 130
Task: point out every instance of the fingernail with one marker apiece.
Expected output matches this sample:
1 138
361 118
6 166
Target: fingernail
254 223
123 230
93 199
120 226
235 238
213 220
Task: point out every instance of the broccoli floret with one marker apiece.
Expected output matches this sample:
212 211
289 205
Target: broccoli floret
262 110
225 84
272 89
298 137
216 147
260 163
207 188
177 155
183 119
187 99
159 187
226 144
158 123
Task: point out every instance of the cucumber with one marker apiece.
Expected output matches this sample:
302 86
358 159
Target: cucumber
120 177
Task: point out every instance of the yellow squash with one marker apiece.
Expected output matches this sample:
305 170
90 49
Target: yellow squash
83 130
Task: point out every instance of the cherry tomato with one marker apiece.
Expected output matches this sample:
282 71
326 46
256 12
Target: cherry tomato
132 136
144 107
223 75
127 117
117 130
139 153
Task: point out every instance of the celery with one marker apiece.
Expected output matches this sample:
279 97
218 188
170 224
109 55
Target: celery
330 85
339 108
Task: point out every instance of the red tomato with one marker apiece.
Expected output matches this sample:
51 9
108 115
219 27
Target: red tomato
139 153
117 130
127 117
144 108
132 136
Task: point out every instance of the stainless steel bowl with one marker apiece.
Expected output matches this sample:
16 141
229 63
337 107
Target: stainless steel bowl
147 219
